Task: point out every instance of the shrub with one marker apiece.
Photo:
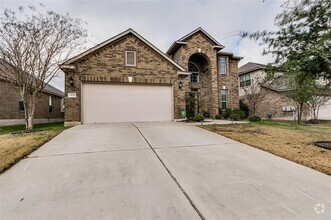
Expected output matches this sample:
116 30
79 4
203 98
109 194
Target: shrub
218 116
227 113
244 107
198 118
239 112
254 118
235 117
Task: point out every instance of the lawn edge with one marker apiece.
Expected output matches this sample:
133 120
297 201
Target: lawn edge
24 156
257 147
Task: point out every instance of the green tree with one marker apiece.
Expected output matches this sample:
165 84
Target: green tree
302 90
302 43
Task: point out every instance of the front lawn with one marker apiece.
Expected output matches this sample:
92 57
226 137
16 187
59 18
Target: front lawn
287 140
15 145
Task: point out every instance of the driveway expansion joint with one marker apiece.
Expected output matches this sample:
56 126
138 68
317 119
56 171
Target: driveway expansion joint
86 152
171 175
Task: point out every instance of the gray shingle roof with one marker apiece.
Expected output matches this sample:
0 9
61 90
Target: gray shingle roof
279 84
250 67
6 75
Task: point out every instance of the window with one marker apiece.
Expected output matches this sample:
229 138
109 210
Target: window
193 69
224 98
21 103
130 58
245 80
50 104
62 104
194 90
223 65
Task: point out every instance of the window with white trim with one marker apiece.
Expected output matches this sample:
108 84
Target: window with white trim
21 103
223 65
62 105
245 80
130 58
50 103
224 99
193 69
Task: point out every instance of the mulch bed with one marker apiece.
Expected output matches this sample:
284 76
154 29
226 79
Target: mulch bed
323 144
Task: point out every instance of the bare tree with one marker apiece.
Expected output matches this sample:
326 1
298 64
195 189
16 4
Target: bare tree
254 94
315 103
32 44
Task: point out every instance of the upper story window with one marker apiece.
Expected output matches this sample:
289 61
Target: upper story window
245 80
50 103
223 65
130 58
193 69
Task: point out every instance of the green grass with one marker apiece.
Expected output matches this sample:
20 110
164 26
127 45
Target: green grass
18 128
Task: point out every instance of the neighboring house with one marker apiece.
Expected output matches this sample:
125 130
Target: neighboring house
128 79
275 102
48 109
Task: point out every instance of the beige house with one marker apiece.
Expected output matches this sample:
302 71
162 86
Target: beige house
275 102
128 79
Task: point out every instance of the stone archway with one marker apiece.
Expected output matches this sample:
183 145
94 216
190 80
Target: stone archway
199 95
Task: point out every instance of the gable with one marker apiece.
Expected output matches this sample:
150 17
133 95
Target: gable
116 38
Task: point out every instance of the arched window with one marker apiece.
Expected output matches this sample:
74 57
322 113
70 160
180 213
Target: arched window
193 69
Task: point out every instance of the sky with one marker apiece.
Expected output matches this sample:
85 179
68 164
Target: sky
162 22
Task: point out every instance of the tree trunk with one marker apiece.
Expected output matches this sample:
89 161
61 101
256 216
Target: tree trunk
300 113
29 113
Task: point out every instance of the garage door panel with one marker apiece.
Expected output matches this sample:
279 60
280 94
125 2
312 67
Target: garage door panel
103 103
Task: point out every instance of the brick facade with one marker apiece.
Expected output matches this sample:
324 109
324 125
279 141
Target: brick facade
9 104
211 82
106 64
274 103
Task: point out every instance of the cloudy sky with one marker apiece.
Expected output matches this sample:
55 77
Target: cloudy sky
162 22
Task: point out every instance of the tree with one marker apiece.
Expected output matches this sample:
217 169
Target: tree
302 89
316 102
302 43
254 94
33 43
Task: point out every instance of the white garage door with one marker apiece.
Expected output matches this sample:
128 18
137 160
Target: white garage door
102 103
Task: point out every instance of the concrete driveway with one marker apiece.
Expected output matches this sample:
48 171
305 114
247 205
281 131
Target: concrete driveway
159 171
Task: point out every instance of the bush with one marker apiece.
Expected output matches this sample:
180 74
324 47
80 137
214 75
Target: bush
239 112
198 118
235 117
218 116
254 118
244 107
227 113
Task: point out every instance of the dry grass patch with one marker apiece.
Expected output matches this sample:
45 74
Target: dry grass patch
14 147
293 142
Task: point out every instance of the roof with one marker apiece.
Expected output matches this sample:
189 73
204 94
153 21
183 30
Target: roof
229 54
250 67
279 84
109 41
180 41
10 77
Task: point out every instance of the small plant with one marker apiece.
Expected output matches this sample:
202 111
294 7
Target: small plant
239 112
234 117
227 113
244 107
218 116
254 118
198 118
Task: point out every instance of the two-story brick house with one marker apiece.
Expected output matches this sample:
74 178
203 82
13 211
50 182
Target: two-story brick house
128 79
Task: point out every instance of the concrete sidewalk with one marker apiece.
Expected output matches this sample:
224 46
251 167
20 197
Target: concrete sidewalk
159 171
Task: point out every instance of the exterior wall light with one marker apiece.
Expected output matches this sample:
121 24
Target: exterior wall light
180 84
71 81
130 78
